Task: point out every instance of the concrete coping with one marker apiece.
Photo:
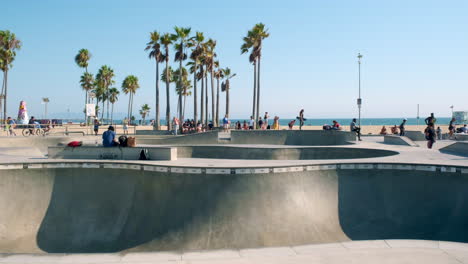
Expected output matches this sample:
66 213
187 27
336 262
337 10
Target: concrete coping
342 249
109 164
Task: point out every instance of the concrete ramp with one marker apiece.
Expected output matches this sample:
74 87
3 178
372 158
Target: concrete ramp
110 210
398 140
457 148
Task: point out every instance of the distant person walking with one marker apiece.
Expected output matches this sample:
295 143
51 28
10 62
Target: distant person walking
11 125
260 122
301 119
125 126
355 129
430 120
96 126
451 127
251 123
439 133
402 127
175 125
266 119
430 135
226 123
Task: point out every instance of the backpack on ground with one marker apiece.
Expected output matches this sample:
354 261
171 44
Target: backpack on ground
123 141
144 155
131 142
75 144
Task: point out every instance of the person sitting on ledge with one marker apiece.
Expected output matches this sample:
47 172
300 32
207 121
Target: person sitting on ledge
383 131
336 125
108 138
395 130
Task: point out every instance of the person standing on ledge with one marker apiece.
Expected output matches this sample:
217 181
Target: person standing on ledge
108 138
355 129
430 120
251 123
226 123
301 119
402 127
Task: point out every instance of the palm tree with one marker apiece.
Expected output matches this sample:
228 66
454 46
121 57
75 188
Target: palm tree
225 87
129 86
254 41
81 59
209 57
145 109
87 84
182 36
154 46
8 46
167 40
218 74
113 97
182 88
195 64
104 79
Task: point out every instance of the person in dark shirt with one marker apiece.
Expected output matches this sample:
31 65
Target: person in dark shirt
108 138
260 123
430 135
430 120
402 127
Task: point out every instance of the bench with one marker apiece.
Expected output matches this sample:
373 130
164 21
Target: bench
111 153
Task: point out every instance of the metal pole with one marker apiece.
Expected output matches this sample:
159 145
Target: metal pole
359 101
417 116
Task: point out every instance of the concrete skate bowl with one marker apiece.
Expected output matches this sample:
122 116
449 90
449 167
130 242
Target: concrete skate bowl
269 137
279 153
143 208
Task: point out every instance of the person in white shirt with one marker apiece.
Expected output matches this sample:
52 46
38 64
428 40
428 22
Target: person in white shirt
251 123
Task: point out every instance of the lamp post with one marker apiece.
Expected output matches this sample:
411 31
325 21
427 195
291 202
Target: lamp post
452 110
45 101
359 100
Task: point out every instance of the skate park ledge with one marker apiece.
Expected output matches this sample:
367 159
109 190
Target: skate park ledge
112 153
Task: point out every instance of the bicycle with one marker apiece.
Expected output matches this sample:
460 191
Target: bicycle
36 132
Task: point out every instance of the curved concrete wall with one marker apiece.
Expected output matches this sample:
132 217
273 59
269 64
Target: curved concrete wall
106 210
292 137
302 153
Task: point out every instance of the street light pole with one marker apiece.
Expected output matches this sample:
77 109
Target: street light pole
359 100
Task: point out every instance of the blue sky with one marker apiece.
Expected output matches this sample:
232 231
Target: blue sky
414 52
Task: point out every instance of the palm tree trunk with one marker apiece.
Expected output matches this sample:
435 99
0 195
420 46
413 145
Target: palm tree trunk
5 79
202 100
157 123
112 114
195 106
168 106
181 118
128 108
255 94
258 87
217 100
108 110
131 104
227 102
215 122
86 101
183 110
102 112
206 99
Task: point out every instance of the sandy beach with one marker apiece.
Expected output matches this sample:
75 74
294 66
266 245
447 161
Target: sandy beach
366 130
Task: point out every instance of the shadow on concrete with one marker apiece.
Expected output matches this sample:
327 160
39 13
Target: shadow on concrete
389 204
